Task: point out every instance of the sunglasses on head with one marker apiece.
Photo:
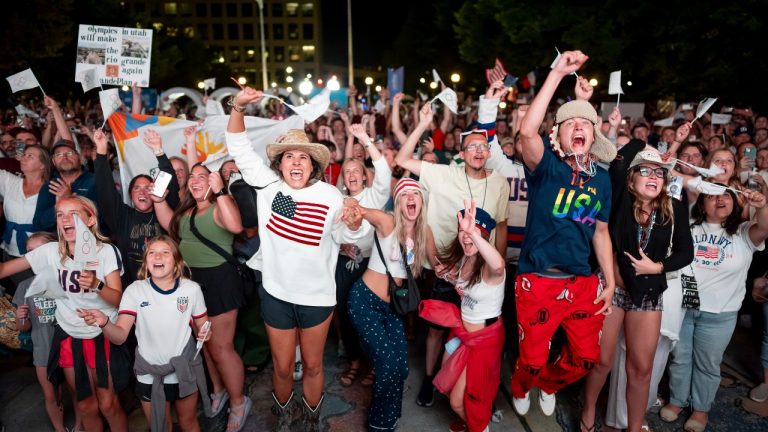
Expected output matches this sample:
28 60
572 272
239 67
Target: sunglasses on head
473 147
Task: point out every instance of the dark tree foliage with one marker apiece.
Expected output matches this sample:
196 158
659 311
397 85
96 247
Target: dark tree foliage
669 50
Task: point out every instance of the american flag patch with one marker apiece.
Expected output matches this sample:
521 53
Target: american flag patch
301 222
708 252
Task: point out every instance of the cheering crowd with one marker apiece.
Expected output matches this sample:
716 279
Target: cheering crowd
631 247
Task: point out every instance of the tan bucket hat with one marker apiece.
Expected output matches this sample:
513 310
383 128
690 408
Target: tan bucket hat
602 148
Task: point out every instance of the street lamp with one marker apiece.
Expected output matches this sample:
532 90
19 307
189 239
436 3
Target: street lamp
289 79
593 82
305 87
368 80
242 80
422 80
455 78
201 85
263 50
289 69
333 84
378 88
433 85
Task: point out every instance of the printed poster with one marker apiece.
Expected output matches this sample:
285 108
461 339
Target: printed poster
121 54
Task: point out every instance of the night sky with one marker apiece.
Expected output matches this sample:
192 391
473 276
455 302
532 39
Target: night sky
374 25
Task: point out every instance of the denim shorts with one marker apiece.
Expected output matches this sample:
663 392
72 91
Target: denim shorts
282 315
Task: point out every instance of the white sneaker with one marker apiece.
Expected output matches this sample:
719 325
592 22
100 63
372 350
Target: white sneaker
523 404
547 402
298 371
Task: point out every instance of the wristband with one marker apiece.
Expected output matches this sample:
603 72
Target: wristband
220 193
158 152
235 106
105 324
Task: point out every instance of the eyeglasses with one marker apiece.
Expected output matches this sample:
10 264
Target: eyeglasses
64 154
658 172
477 146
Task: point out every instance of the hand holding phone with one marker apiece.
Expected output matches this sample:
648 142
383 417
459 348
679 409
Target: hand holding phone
162 181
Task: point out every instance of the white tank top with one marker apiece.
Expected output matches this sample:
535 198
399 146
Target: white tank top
482 301
390 248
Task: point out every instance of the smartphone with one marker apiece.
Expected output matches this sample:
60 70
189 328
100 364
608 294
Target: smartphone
687 107
20 147
162 181
509 80
750 153
662 147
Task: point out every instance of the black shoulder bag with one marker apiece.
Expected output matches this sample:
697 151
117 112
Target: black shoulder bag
247 275
402 299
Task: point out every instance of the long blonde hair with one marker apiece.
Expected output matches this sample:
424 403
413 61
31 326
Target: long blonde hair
89 208
420 234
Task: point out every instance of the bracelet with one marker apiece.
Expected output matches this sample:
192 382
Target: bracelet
158 152
235 106
105 324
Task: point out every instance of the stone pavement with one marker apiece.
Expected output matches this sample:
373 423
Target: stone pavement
344 410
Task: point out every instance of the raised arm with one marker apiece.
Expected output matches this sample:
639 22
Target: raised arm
381 221
190 135
112 207
404 157
532 144
255 172
225 214
58 117
382 174
758 232
397 127
494 267
136 104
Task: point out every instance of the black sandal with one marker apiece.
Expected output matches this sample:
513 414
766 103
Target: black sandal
588 429
349 377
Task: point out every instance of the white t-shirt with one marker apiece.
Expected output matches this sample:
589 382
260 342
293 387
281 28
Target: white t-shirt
162 320
17 207
46 258
298 228
375 197
720 265
447 188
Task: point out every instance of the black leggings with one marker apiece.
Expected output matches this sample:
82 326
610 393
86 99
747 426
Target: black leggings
344 281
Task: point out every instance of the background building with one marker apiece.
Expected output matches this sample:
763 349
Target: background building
292 33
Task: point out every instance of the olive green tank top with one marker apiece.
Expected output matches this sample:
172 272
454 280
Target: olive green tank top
196 253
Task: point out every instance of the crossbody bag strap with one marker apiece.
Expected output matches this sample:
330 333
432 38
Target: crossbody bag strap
381 255
405 262
211 245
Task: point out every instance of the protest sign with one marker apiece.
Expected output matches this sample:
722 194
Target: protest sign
122 54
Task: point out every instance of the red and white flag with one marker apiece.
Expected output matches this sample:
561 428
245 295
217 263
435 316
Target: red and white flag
300 222
496 73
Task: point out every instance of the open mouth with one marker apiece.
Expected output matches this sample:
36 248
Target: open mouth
652 186
578 141
158 266
410 209
296 174
69 229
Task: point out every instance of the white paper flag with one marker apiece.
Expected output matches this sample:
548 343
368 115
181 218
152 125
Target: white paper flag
85 243
557 59
90 80
704 106
614 85
110 102
21 110
721 118
213 107
380 107
311 110
665 122
23 80
436 77
46 284
449 98
210 83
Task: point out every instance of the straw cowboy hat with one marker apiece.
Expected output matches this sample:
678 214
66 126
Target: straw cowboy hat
296 139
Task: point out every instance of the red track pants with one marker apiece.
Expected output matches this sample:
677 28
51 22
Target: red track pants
543 304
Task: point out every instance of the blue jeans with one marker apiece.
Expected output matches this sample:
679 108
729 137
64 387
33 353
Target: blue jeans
382 335
694 373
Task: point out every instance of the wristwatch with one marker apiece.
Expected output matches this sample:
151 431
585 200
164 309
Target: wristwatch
222 192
